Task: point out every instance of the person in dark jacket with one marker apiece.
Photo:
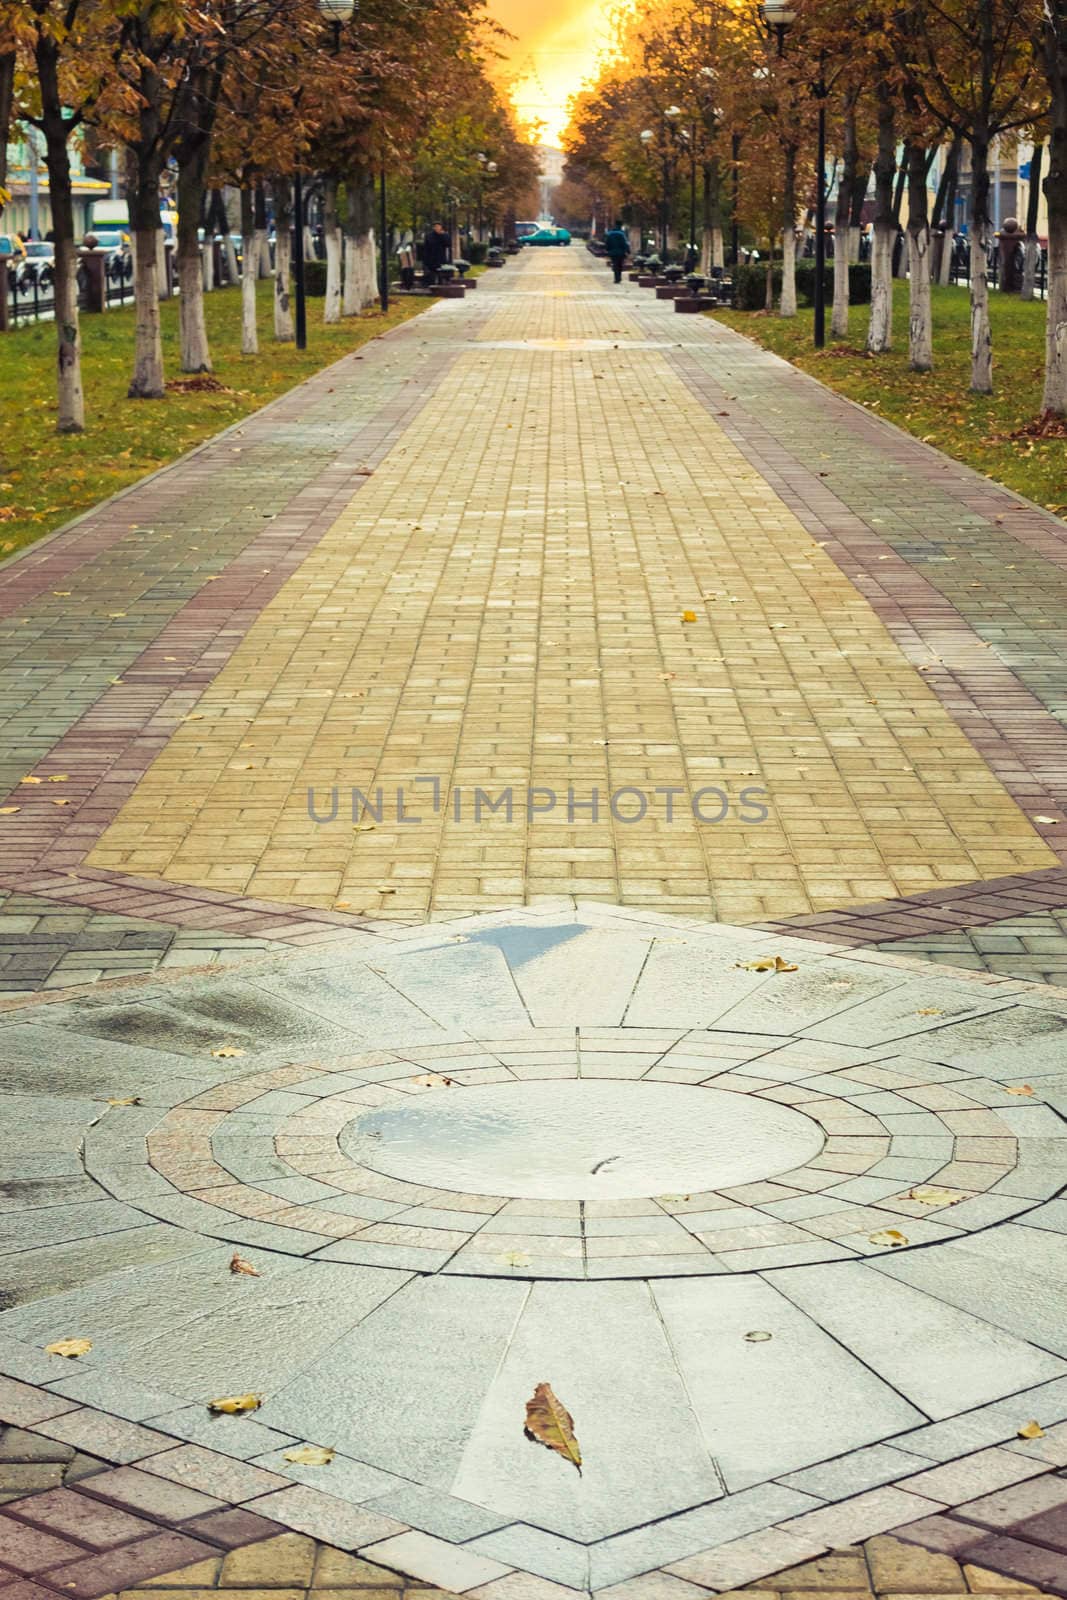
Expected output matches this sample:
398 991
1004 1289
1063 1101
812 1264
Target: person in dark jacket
435 252
617 246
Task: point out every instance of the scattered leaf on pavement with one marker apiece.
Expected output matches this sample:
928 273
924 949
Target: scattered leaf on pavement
758 1336
231 1405
1031 1430
1019 1088
689 616
224 1051
768 964
9 811
31 780
928 1196
238 1264
892 1237
1049 822
548 1422
514 1258
129 1100
309 1455
433 1080
69 1347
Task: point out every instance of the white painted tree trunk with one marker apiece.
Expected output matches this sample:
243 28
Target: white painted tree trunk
920 325
981 332
350 295
331 311
162 272
249 332
718 254
232 273
1055 396
309 246
70 413
853 244
1031 261
147 380
944 273
839 315
262 254
195 352
368 277
880 327
787 303
283 311
207 261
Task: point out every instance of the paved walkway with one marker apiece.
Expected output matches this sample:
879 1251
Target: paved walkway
603 1050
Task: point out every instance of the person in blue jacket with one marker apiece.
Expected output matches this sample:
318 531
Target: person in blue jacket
617 246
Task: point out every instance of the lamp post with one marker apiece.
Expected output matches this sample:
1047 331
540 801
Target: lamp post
735 225
778 17
337 13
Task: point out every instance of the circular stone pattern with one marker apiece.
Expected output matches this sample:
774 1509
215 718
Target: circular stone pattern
582 1140
716 1152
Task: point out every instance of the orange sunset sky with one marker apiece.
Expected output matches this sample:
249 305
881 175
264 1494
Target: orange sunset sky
555 47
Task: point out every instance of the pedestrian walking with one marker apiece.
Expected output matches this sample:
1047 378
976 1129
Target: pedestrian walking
436 250
617 246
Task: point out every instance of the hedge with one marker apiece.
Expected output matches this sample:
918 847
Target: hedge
750 284
314 279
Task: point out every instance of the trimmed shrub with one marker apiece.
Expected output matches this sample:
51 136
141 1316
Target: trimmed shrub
476 249
750 284
315 279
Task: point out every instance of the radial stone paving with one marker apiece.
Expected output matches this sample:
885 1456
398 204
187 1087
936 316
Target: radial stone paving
817 1302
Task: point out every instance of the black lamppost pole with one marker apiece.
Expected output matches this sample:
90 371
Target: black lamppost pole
778 17
337 13
735 224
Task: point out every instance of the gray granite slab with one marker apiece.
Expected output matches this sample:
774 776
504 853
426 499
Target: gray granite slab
941 1359
642 1457
772 1405
859 1470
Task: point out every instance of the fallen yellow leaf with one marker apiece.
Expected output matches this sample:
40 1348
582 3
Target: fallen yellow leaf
1031 1430
239 1265
309 1455
225 1051
71 1348
892 1237
758 1336
689 616
1049 822
930 1011
9 811
1020 1088
433 1080
548 1422
62 802
769 964
935 1197
514 1258
130 1100
31 780
233 1404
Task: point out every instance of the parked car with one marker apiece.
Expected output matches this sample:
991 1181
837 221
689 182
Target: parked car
548 236
36 267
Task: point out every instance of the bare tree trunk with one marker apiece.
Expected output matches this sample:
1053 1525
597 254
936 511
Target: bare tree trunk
981 332
843 215
952 178
1055 61
711 239
899 254
1032 248
230 248
70 408
920 315
283 237
859 197
7 93
880 326
249 263
331 311
787 303
195 351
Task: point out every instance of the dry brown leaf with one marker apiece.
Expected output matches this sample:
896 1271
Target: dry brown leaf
310 1455
891 1237
71 1348
225 1051
932 1196
758 1336
548 1422
1031 1430
1019 1088
434 1080
769 964
232 1405
239 1265
130 1100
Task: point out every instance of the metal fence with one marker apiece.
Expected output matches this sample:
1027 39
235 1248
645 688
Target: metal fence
31 283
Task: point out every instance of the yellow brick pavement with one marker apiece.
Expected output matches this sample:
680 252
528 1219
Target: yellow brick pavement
500 605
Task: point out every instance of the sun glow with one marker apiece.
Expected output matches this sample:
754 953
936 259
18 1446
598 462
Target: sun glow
556 47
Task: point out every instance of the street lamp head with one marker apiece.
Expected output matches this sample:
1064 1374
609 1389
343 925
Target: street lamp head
646 136
708 72
777 14
337 11
672 112
491 167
